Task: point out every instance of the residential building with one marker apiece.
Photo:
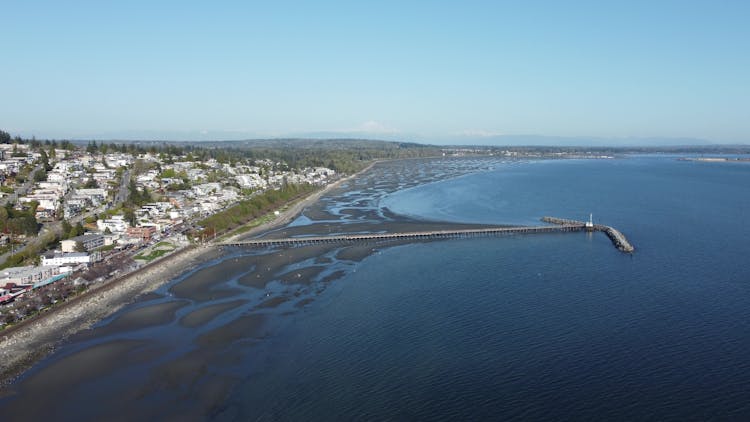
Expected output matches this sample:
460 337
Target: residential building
142 233
69 258
116 224
89 241
27 275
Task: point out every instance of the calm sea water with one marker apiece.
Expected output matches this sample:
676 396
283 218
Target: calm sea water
538 327
559 326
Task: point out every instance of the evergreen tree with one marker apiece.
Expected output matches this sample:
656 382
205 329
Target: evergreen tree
66 227
4 137
79 229
45 160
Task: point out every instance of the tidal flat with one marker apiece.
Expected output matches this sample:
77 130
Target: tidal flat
199 328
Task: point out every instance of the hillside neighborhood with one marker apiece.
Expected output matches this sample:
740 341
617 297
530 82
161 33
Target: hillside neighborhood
72 217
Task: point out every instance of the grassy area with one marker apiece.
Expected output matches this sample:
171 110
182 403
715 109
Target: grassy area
158 253
249 226
162 245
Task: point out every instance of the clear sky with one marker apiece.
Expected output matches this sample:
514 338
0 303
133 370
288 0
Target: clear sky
428 70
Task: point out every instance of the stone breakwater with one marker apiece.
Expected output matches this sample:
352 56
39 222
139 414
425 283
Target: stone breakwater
618 239
25 343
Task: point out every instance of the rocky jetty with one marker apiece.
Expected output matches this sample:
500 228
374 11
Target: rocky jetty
618 239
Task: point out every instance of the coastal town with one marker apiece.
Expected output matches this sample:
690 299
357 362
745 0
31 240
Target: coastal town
74 217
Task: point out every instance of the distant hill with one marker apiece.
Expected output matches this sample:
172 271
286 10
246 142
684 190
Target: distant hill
307 143
563 141
364 149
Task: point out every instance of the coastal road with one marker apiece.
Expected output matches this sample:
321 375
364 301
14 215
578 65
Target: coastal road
122 193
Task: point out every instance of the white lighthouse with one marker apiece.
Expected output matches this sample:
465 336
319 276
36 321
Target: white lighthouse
590 223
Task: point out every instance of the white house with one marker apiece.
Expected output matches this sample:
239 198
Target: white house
116 224
251 181
69 258
97 196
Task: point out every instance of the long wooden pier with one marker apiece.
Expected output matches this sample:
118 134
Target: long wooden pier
559 226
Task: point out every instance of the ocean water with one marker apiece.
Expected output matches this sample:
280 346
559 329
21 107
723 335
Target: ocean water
538 327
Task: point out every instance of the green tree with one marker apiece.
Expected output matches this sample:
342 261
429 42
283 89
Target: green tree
168 174
92 148
4 137
79 229
66 227
44 160
129 215
40 175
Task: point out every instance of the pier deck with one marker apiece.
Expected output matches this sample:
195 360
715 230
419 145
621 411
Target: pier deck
559 225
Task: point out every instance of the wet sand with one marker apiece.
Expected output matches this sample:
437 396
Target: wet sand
204 315
28 342
271 265
56 379
142 317
273 302
86 364
245 327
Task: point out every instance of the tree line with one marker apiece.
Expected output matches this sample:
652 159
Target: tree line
250 209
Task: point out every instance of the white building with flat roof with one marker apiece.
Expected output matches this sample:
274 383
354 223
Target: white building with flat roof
27 275
116 224
89 241
59 259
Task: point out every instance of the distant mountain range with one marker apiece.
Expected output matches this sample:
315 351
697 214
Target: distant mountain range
495 140
560 141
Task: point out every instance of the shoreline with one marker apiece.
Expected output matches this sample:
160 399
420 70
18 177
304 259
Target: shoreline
296 208
30 341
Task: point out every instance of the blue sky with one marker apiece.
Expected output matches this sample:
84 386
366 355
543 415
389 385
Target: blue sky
425 70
